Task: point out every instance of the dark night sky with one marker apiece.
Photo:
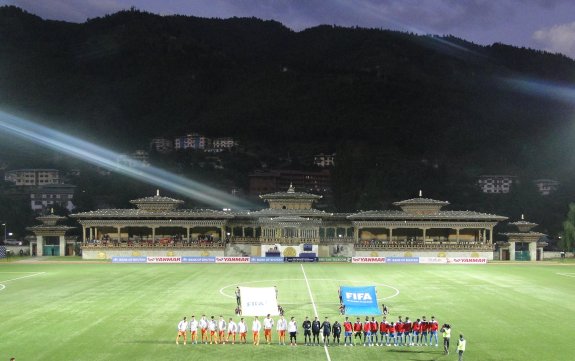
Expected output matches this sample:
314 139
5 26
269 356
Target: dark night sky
540 24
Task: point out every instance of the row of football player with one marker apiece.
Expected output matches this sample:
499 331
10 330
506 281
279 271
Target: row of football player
406 333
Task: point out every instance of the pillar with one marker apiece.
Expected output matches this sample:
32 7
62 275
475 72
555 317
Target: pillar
83 234
424 232
91 233
512 251
188 234
533 251
39 246
356 234
491 235
62 245
457 234
390 234
119 234
153 233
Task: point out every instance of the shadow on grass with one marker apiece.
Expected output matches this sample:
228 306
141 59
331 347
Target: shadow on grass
154 342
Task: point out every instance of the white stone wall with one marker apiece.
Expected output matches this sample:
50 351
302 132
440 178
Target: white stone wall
108 253
422 253
549 255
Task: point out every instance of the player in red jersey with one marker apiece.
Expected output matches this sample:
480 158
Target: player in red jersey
383 331
348 331
407 325
434 326
424 328
399 331
357 329
374 325
367 332
391 335
416 331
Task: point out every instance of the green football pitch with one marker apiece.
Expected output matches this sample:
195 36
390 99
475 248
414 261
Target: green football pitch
92 311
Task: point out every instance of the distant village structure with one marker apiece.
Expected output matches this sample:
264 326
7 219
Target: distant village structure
496 183
32 177
289 227
267 181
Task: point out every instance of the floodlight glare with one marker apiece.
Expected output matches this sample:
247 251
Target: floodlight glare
107 159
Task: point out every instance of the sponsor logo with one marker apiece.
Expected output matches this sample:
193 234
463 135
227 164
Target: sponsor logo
368 259
196 259
232 260
362 296
266 260
129 260
164 259
433 260
402 260
467 260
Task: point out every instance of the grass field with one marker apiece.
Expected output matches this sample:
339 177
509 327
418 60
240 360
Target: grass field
90 311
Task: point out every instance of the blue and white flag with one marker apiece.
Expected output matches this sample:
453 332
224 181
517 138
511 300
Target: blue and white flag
360 300
2 251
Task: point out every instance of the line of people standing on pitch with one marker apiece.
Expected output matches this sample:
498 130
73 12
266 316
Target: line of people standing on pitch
400 333
214 331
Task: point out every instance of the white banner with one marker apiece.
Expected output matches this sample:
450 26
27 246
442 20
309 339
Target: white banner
461 260
232 260
367 259
433 260
164 260
259 301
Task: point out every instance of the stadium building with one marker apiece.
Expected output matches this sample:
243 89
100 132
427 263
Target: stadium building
289 227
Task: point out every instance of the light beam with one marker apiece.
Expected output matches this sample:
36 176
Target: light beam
105 158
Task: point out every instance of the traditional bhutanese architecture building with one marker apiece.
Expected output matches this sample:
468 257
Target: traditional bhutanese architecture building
289 226
524 245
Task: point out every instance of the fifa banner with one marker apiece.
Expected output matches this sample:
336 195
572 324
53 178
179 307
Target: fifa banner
360 300
259 301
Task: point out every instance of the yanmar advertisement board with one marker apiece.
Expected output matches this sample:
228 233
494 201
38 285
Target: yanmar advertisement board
164 260
232 260
367 259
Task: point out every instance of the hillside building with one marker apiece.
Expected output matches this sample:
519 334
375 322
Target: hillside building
496 183
33 177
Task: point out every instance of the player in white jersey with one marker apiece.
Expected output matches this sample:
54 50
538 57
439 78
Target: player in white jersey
268 325
281 328
242 330
292 329
256 328
193 330
232 329
204 328
212 327
182 331
222 326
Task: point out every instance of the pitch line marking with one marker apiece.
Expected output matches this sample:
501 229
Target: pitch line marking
567 274
2 286
315 311
396 293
